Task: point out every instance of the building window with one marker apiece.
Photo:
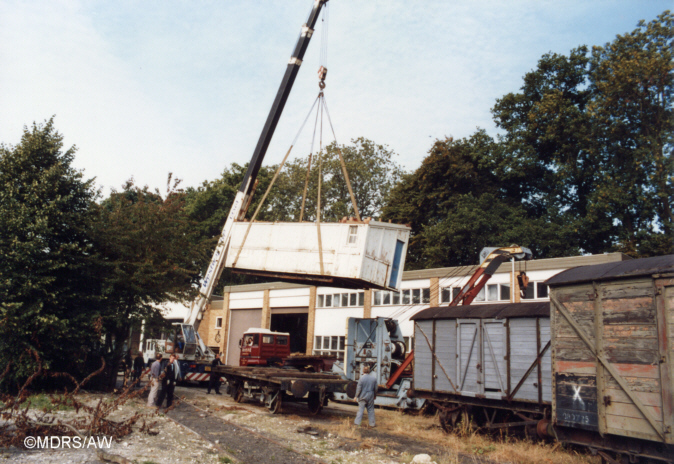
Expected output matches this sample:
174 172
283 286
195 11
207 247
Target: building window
406 297
505 292
218 323
330 346
342 300
541 290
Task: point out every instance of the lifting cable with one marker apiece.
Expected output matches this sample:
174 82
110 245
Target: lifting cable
271 184
321 108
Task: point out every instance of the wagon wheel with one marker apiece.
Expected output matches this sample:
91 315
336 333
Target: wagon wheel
448 419
238 393
315 403
274 402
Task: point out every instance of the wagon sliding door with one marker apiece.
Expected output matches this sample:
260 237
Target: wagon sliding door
529 340
468 362
493 358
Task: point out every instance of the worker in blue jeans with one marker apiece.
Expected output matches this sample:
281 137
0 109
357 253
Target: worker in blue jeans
366 392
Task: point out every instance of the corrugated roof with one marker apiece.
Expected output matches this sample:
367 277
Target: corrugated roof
632 268
486 311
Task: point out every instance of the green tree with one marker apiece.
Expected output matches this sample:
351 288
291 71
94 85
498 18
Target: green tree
372 171
457 203
589 138
150 252
48 289
633 123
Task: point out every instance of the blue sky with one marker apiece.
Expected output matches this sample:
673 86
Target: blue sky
144 88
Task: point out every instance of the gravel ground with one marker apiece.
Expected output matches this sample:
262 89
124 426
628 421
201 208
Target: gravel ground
215 429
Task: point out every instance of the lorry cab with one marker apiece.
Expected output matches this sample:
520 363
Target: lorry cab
262 347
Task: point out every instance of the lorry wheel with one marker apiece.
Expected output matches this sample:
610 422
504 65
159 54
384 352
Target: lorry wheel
314 402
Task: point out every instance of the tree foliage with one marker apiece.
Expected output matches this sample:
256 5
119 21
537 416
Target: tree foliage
48 290
583 164
150 253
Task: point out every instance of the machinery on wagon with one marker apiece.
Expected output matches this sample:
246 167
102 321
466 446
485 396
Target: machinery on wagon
594 367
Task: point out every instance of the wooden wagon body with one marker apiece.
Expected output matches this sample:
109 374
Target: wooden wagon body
613 351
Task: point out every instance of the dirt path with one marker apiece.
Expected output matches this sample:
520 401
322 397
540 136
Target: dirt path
238 442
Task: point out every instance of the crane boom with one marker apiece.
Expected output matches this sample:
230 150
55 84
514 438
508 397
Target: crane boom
241 200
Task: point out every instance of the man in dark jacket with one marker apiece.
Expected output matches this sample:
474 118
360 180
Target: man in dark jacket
168 384
138 365
214 381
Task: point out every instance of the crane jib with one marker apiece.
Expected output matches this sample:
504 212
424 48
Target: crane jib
281 98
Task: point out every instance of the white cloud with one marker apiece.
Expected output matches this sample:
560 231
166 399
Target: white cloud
144 88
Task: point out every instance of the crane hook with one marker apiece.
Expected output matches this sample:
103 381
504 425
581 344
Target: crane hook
322 72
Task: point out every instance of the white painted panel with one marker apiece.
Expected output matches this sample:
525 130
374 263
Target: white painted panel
246 300
292 297
332 321
292 247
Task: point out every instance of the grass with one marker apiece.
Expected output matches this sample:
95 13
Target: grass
465 440
42 400
225 460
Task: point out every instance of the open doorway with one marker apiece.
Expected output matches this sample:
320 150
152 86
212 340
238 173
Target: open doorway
296 326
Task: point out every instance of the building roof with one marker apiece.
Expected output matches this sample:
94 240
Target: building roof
625 269
486 311
461 271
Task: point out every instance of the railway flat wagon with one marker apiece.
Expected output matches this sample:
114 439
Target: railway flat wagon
613 357
490 362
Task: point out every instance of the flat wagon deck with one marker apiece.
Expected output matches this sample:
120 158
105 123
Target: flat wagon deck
273 386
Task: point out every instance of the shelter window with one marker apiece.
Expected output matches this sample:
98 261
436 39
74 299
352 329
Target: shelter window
268 339
353 234
281 340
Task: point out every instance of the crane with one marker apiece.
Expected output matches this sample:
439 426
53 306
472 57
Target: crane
193 346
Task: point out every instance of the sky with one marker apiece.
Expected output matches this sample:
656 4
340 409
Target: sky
152 87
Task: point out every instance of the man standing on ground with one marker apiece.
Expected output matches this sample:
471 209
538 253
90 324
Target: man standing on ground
214 381
366 392
168 385
155 372
138 364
